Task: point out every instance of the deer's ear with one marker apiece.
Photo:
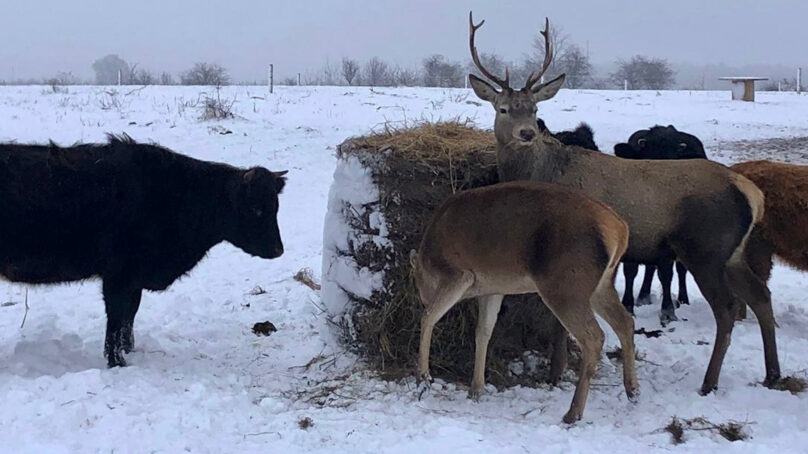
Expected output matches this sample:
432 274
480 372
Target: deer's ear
545 91
483 89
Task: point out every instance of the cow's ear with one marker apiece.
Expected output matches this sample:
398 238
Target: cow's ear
280 174
249 175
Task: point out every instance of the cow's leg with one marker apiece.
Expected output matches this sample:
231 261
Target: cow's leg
644 298
681 272
119 297
630 272
127 330
668 313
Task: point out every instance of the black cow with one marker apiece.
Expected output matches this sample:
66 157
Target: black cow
138 216
581 136
659 142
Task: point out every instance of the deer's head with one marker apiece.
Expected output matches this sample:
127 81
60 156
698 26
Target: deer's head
515 122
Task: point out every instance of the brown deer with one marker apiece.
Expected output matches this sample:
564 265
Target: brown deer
522 237
694 211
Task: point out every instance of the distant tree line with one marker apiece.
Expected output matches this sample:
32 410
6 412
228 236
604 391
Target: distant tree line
112 69
639 72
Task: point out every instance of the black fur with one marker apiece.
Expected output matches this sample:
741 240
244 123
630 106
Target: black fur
659 142
581 136
138 216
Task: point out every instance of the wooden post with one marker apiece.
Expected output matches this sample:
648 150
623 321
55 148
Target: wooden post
119 77
799 80
625 84
298 79
271 77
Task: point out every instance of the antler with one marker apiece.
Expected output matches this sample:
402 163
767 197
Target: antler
504 84
548 56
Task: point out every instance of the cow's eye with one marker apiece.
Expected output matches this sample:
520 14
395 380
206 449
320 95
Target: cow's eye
503 110
258 212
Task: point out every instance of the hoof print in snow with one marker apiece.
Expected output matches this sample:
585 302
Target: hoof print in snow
305 423
264 328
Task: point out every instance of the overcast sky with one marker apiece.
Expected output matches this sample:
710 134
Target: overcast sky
41 37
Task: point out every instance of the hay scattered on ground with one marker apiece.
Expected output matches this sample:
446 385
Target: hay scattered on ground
794 385
306 277
732 430
415 169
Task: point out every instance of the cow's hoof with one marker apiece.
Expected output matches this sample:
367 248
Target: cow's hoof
645 300
667 316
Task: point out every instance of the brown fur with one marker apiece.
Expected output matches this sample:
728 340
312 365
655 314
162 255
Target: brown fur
694 211
783 227
522 237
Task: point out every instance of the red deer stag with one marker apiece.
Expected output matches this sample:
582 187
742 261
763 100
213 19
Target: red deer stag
694 211
522 237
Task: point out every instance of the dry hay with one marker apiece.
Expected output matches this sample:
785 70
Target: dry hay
415 168
731 430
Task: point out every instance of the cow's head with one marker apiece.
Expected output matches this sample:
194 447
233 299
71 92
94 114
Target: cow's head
255 202
661 142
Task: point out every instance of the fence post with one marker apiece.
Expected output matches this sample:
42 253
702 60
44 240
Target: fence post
298 79
799 80
625 84
271 77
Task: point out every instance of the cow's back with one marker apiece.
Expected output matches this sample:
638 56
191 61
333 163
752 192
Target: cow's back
58 208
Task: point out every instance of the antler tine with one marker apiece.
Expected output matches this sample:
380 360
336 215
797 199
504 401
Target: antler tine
548 56
504 84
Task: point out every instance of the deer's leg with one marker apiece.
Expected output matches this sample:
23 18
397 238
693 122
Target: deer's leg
558 360
488 309
630 272
752 291
607 305
448 293
668 313
681 272
644 298
713 284
570 302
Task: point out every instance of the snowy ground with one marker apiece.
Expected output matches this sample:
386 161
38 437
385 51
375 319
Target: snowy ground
201 381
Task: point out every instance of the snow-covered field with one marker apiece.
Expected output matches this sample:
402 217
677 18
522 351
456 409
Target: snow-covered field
202 382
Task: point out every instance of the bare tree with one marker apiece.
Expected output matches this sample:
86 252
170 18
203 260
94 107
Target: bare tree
377 73
205 74
107 69
166 79
643 73
350 69
330 75
560 42
439 72
405 77
575 64
141 77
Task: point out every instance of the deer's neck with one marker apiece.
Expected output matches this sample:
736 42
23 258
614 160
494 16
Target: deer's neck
541 161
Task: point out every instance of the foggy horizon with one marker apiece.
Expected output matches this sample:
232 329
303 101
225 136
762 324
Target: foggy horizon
43 37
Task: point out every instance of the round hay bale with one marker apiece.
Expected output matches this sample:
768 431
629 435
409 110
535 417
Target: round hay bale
385 189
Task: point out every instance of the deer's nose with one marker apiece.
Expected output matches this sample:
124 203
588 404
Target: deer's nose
527 135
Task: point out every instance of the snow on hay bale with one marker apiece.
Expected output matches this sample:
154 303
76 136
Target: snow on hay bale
386 186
